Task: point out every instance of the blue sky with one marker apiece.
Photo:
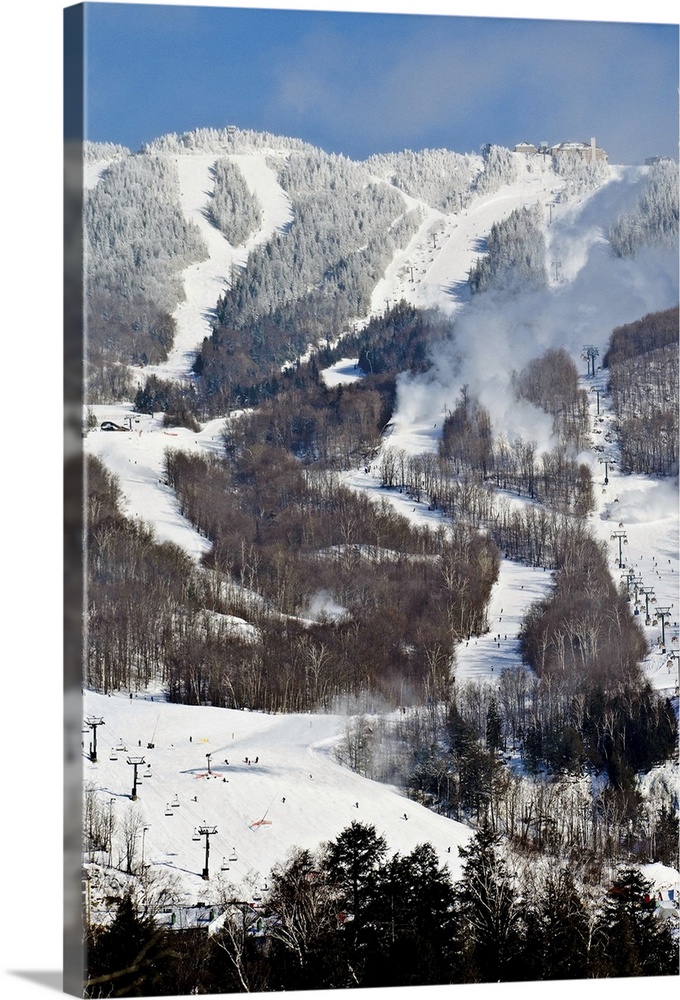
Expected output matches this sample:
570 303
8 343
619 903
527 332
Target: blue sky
357 83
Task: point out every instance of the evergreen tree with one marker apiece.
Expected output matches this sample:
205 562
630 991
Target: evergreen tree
352 862
412 917
557 931
516 254
630 940
490 911
653 221
128 958
494 726
235 211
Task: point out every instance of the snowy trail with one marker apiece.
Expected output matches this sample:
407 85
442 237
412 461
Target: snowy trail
136 457
486 656
205 281
433 268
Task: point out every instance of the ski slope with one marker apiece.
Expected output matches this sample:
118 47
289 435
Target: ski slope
206 280
136 457
432 270
293 793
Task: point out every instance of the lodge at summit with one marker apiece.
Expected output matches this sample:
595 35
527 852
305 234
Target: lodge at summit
588 151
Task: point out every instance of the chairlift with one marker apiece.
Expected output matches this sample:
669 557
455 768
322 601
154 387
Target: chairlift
168 810
147 773
175 802
195 835
121 748
257 898
225 866
655 621
113 755
233 856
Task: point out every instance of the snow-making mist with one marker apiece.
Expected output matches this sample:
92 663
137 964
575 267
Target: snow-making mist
590 292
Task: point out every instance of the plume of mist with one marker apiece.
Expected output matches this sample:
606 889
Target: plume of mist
656 503
323 605
497 333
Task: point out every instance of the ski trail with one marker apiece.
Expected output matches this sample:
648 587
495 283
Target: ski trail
205 280
481 657
636 517
434 267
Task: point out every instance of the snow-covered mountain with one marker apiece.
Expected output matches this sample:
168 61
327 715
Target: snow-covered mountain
294 791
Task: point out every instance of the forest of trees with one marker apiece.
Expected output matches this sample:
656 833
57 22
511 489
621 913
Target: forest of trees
439 177
136 244
550 382
585 628
642 364
103 152
651 333
581 176
515 259
500 167
234 370
235 211
354 914
555 477
307 283
653 221
223 141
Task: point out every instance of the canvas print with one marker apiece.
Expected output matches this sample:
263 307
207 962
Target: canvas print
377 683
